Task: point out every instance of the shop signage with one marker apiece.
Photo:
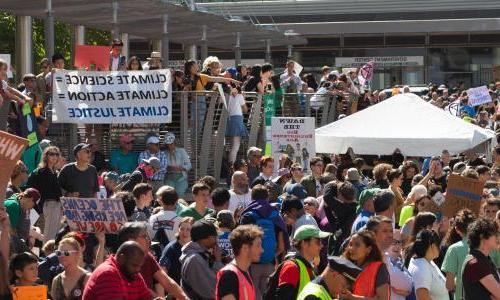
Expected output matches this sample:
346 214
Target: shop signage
380 61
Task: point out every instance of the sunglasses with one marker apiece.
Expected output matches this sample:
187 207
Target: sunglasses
296 169
53 154
60 253
397 242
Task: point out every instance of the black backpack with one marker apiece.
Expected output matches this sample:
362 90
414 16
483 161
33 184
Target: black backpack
272 285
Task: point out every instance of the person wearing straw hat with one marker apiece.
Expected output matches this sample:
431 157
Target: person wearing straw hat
154 62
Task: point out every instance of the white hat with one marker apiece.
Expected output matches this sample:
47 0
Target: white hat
155 54
169 138
153 140
418 190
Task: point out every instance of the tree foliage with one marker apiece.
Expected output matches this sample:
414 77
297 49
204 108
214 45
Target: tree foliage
63 38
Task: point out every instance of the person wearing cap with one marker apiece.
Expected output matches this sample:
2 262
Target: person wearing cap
201 260
354 177
365 209
297 270
44 179
110 182
178 165
335 280
124 160
79 179
18 207
234 280
117 61
153 150
312 182
142 174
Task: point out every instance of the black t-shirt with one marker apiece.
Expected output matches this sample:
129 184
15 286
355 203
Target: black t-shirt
84 182
228 284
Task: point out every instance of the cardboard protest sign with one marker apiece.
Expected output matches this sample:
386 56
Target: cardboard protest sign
462 192
30 292
93 214
118 97
479 95
11 149
294 137
92 58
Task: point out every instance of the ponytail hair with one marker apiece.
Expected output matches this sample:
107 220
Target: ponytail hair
424 240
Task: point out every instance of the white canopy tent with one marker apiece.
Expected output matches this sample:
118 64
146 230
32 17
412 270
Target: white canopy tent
404 122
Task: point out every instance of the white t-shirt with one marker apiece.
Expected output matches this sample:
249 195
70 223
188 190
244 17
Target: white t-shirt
427 275
166 220
238 200
114 63
234 105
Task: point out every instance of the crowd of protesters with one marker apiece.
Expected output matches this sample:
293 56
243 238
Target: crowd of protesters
353 227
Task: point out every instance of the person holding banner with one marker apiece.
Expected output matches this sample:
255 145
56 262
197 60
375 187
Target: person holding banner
117 61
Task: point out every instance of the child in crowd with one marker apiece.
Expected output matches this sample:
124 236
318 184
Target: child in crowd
225 223
24 269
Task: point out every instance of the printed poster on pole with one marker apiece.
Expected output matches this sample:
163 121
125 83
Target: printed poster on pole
294 137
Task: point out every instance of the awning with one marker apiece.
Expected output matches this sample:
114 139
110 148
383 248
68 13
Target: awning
145 19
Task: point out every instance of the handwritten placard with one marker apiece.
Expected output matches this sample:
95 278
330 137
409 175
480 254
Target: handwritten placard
11 149
33 292
462 192
93 214
479 95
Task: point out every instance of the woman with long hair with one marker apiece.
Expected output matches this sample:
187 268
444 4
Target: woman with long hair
409 170
456 247
44 179
373 282
69 284
395 177
380 176
178 166
18 177
428 280
134 64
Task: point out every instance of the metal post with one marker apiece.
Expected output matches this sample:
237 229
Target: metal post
125 49
164 42
237 49
49 30
115 31
78 39
156 44
24 46
204 44
290 51
190 52
268 51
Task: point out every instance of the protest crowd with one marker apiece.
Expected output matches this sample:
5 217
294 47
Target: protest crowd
341 226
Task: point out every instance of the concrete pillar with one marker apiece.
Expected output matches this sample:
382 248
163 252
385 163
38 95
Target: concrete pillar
115 31
290 51
268 51
49 30
204 43
126 45
24 46
190 52
164 42
237 49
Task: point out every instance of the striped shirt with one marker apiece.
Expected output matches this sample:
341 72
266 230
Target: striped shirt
108 282
160 175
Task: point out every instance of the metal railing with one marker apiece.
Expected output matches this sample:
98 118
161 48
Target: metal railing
199 121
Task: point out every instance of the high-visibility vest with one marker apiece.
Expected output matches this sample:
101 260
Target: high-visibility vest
366 281
314 289
245 287
304 278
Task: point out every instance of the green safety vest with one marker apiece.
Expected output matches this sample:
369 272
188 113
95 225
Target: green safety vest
304 275
316 290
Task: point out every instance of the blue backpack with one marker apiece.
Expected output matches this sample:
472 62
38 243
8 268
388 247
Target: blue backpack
269 241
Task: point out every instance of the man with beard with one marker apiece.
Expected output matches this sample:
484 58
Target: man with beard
240 193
